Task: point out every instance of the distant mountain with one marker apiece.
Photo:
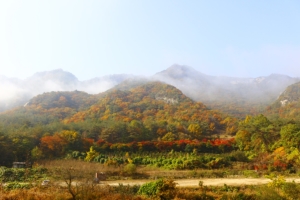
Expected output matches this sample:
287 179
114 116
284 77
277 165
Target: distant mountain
237 96
18 92
101 84
56 80
232 95
205 88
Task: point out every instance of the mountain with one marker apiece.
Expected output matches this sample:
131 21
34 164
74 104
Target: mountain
152 111
287 105
101 84
18 92
237 96
56 80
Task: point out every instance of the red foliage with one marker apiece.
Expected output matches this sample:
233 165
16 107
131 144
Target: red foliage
53 145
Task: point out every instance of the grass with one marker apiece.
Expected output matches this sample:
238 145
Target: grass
116 172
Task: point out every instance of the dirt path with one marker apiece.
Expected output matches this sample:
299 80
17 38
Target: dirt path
212 182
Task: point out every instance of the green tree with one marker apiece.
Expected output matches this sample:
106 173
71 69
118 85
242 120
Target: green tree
255 133
6 155
136 130
115 132
290 136
36 153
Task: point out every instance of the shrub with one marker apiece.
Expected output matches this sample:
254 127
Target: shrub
267 193
239 156
150 189
17 185
130 169
21 174
291 190
162 188
126 189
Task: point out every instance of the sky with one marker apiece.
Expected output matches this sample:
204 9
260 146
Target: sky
248 38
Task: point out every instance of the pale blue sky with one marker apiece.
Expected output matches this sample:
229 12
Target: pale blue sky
245 38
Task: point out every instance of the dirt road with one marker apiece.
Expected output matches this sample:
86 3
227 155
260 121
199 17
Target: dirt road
207 182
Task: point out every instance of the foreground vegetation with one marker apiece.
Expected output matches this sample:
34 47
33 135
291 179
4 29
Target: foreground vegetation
287 191
73 183
71 179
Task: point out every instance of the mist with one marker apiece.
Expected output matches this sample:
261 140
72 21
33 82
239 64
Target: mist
16 92
194 84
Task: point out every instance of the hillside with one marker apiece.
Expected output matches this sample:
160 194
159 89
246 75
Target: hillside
287 105
149 112
148 119
153 111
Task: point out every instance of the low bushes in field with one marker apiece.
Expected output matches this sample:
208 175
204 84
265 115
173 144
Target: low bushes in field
22 174
167 160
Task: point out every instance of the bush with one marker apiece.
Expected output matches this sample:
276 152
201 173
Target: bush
21 174
267 193
126 189
291 190
130 169
150 189
17 185
239 156
162 188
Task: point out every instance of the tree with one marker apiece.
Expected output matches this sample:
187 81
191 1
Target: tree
36 153
53 146
115 132
90 155
255 133
195 130
69 175
6 156
136 130
72 140
169 137
21 147
290 136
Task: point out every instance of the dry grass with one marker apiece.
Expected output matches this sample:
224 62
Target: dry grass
115 172
90 167
56 193
86 169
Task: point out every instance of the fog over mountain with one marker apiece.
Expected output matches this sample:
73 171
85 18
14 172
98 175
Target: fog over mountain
196 85
205 88
16 92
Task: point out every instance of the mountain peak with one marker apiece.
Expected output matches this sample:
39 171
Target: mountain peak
180 67
55 75
179 71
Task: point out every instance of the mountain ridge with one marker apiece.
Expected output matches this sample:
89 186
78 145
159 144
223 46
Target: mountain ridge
211 90
152 111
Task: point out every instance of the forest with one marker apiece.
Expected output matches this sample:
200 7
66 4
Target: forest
153 125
